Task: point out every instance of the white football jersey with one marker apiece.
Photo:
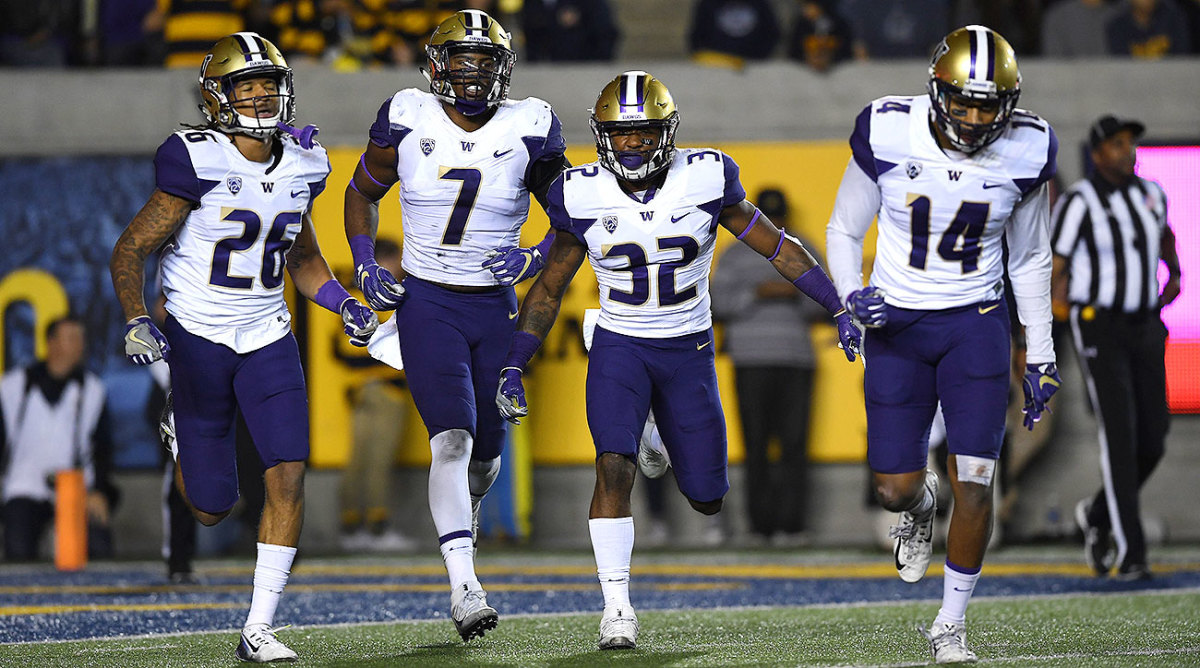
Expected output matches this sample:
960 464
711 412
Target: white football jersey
222 272
463 193
943 214
651 257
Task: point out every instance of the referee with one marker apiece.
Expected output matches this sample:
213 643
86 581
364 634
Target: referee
1110 233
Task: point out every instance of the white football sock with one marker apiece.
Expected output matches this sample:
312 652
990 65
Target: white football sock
957 587
271 572
612 543
450 502
923 506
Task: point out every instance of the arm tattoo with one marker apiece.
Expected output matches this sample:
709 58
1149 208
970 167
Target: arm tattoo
541 305
153 225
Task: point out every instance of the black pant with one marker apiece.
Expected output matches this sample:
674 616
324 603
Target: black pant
775 401
1122 359
25 520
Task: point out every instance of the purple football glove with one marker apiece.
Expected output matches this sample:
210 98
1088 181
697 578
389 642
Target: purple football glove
512 265
360 322
1041 382
382 291
144 344
867 305
510 398
849 337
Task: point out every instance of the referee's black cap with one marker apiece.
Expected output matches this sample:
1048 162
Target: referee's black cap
1109 125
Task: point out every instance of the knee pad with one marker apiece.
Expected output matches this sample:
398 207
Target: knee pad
974 469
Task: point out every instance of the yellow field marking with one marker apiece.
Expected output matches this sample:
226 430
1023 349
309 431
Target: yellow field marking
8 611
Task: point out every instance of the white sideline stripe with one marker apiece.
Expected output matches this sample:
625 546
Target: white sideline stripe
731 608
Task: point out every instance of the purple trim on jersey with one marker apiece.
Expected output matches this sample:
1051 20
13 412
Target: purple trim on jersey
522 349
749 227
464 533
556 210
362 249
713 209
860 145
331 295
383 133
174 173
315 188
955 567
734 192
1048 170
816 284
551 147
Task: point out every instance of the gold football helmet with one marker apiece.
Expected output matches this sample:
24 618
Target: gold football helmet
976 64
240 56
635 99
470 31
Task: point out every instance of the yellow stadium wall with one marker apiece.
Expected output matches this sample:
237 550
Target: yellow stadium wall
807 172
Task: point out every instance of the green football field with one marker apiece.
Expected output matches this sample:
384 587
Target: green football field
750 608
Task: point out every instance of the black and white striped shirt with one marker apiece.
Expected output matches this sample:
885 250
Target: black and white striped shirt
1111 238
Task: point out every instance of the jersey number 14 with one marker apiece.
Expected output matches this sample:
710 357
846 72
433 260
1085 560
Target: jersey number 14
960 241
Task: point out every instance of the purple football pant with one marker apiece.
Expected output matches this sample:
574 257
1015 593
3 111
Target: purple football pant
210 385
677 377
960 356
454 346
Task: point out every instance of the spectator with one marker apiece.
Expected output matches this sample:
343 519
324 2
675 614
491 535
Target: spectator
568 30
890 29
820 37
727 33
36 34
379 418
1108 273
52 417
767 337
1075 29
308 28
1148 29
191 27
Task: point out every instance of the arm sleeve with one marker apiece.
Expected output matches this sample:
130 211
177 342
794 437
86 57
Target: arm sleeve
856 206
1029 266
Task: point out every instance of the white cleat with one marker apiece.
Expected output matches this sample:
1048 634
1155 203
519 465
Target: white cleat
618 628
166 428
948 643
259 645
652 456
470 612
914 537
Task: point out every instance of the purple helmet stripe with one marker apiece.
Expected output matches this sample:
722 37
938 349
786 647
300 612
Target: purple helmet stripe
991 53
476 22
974 53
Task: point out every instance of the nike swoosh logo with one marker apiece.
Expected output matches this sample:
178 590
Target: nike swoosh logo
1047 380
676 219
513 316
702 346
133 334
957 589
297 193
500 154
989 309
989 186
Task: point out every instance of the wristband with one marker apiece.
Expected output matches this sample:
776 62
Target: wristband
521 350
362 247
331 295
816 284
749 227
778 247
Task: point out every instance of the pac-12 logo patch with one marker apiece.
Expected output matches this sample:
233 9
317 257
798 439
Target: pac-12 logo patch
234 184
609 223
913 169
427 145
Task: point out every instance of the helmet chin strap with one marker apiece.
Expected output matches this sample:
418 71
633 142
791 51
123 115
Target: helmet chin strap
470 107
631 159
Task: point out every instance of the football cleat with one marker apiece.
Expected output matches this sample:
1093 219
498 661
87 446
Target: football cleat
166 428
652 457
259 645
618 628
470 612
948 643
1098 550
914 537
475 506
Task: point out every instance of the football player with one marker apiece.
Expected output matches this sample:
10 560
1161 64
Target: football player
231 209
467 159
948 174
646 216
